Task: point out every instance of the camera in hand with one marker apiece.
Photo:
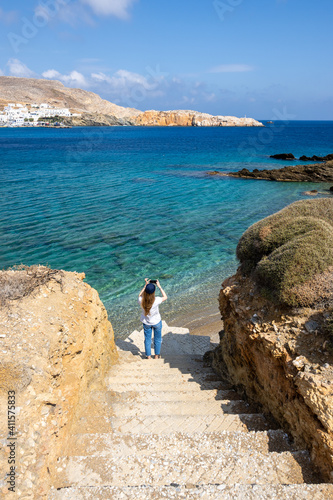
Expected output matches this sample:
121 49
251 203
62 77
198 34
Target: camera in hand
153 281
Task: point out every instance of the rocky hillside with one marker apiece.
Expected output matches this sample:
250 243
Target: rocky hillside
98 111
277 343
53 92
56 345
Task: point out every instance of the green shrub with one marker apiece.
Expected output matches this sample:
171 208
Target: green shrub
288 249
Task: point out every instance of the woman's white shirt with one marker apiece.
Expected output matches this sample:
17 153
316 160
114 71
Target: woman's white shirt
154 316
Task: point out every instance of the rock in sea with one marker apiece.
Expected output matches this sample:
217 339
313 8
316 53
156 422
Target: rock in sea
283 156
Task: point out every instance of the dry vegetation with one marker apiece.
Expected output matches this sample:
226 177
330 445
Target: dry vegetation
21 281
290 254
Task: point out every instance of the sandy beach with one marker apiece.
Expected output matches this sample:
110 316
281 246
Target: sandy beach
207 321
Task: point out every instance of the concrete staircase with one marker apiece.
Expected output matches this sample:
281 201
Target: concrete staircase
169 428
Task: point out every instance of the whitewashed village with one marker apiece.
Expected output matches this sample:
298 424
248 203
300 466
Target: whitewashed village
33 115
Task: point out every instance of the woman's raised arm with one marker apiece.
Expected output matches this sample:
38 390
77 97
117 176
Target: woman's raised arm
164 295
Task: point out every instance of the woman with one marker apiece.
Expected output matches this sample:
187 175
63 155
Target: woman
151 317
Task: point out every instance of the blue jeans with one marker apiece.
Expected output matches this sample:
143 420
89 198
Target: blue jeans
157 337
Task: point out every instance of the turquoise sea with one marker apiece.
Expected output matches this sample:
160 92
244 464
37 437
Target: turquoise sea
125 203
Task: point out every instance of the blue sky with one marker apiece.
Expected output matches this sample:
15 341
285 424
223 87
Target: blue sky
267 59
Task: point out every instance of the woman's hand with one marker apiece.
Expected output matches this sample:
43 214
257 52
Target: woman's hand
164 295
146 280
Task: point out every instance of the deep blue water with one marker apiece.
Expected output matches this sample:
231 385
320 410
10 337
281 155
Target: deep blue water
125 203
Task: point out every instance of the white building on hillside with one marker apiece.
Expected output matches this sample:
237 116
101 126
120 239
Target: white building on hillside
17 114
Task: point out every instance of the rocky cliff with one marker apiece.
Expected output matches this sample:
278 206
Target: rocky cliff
281 355
56 345
184 118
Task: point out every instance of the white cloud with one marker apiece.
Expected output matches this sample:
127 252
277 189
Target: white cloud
51 74
231 68
77 12
101 77
73 14
117 8
17 68
73 78
128 88
123 80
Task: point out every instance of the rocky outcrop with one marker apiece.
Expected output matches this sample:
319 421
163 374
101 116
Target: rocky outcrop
319 172
96 120
282 358
317 158
56 346
184 118
283 156
290 156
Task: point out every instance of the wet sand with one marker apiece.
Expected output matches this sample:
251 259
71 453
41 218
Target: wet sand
206 321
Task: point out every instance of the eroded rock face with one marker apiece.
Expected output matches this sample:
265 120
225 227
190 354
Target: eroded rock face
184 118
279 358
56 345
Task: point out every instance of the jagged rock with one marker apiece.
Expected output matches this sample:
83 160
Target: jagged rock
283 156
319 172
317 158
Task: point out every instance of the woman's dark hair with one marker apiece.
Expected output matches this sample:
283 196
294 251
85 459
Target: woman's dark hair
147 302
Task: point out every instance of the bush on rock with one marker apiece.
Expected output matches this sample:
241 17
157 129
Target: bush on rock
290 253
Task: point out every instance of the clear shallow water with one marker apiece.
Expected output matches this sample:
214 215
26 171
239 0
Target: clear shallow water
121 204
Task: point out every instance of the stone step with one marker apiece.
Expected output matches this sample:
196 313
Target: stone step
177 376
136 386
117 445
173 343
161 408
162 470
187 423
144 368
171 360
212 395
193 492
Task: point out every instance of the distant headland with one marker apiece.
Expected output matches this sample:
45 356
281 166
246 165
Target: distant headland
84 108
